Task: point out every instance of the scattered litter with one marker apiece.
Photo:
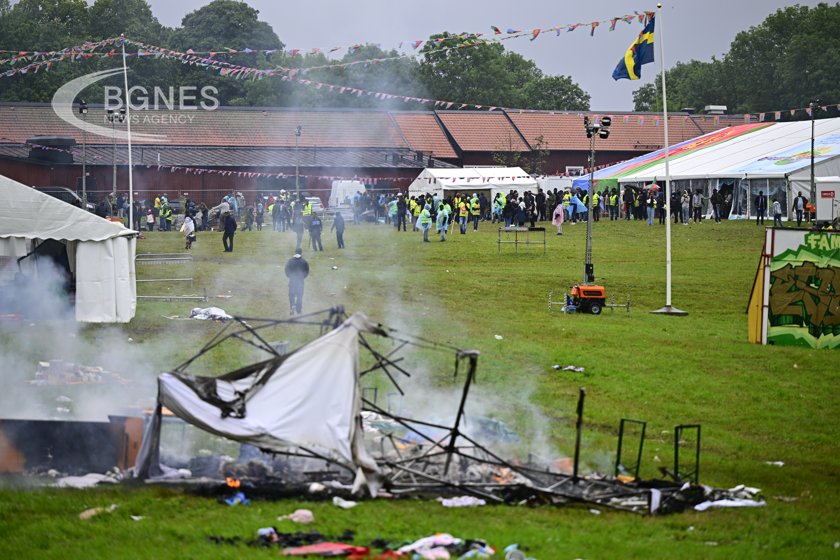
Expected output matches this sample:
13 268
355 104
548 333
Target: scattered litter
335 268
236 499
443 545
787 499
93 512
512 552
729 503
775 463
325 549
837 544
303 516
595 511
690 529
462 501
61 372
209 313
344 504
137 517
573 368
499 337
316 487
87 481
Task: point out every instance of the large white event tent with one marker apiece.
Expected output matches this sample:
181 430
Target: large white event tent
740 161
100 253
443 182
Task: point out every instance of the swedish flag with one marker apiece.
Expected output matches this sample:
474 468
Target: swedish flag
639 53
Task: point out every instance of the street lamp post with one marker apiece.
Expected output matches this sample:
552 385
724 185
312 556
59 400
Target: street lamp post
592 130
298 130
113 118
83 109
813 107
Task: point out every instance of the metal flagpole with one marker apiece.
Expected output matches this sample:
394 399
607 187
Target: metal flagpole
128 120
668 309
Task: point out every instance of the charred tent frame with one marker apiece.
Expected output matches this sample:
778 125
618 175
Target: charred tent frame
455 462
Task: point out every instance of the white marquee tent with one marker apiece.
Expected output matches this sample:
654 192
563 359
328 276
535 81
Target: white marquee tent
443 182
739 161
100 253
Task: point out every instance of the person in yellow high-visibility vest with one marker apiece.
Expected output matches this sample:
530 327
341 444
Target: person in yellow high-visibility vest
463 212
475 210
613 205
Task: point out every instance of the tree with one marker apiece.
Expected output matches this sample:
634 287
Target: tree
788 60
453 69
134 18
42 25
231 25
556 93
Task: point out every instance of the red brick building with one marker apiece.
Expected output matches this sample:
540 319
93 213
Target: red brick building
210 153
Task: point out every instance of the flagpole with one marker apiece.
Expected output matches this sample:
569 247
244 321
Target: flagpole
668 309
128 124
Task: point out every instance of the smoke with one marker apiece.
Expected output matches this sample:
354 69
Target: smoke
86 372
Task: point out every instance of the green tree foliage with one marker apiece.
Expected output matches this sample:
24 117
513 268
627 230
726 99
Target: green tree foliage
226 24
556 93
133 18
787 61
42 25
488 75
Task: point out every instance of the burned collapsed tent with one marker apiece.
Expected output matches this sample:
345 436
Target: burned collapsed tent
309 407
308 400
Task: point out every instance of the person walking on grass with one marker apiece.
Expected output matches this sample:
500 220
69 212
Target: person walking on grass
760 208
443 219
315 228
559 217
777 214
338 226
189 230
229 228
425 222
297 269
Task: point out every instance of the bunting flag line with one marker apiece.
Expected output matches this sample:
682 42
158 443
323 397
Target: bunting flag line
24 55
226 69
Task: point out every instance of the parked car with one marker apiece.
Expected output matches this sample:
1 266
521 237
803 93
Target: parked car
316 203
67 195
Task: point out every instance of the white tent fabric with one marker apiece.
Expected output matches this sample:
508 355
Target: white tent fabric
774 160
310 401
471 179
344 190
101 253
774 151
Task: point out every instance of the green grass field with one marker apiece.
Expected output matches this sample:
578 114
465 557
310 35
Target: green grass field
755 404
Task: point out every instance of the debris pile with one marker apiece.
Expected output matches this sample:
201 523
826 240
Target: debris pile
61 372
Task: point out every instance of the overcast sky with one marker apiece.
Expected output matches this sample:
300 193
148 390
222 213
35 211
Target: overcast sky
693 29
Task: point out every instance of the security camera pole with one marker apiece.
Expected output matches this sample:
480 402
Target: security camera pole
593 129
298 130
83 109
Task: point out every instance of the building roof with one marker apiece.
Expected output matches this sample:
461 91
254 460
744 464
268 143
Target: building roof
628 132
203 156
483 131
226 126
424 133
